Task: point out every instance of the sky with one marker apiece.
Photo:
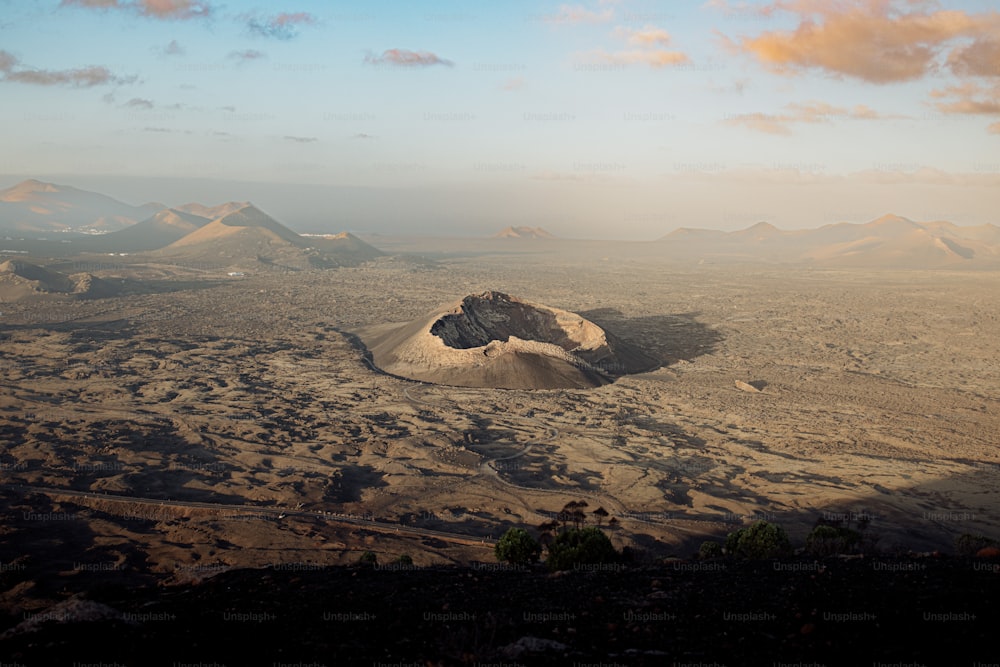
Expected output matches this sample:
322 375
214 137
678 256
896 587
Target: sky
603 119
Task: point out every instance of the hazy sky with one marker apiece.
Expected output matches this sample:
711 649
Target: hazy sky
595 119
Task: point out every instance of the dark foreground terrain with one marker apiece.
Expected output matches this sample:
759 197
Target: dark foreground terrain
873 611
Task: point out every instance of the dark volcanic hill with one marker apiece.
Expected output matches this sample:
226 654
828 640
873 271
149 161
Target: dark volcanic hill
20 280
212 212
496 340
345 249
164 228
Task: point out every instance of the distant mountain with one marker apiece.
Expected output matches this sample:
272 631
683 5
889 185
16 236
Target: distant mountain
346 249
762 231
20 280
36 206
523 233
249 237
888 241
164 228
212 212
242 228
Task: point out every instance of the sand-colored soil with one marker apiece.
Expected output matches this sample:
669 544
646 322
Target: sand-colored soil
878 396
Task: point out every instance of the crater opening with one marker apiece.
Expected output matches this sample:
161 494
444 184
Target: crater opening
491 316
496 340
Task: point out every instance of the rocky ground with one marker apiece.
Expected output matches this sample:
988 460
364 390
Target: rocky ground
231 425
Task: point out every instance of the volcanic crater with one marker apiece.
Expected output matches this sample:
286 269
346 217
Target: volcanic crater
500 341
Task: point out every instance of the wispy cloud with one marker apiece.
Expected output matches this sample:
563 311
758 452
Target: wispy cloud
568 14
180 10
648 36
139 103
13 71
362 135
808 112
968 98
650 41
405 58
300 140
173 49
247 55
980 58
654 58
280 26
879 41
743 9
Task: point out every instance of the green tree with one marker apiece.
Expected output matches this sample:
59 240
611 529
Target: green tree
517 547
761 539
710 549
828 540
368 558
601 514
580 546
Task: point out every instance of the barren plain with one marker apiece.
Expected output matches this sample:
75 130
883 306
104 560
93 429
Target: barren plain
223 422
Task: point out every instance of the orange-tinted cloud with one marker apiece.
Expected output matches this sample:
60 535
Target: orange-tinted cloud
158 9
968 98
808 112
404 58
994 128
981 58
83 77
653 58
650 41
879 41
645 37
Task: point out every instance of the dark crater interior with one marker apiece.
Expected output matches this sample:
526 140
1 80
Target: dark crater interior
495 316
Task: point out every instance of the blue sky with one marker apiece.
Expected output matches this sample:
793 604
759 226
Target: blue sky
602 119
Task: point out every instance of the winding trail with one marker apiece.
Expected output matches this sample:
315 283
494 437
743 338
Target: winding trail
259 512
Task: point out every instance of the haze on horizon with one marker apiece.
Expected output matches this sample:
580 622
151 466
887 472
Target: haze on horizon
593 119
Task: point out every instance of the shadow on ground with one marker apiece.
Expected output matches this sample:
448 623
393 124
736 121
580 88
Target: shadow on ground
668 338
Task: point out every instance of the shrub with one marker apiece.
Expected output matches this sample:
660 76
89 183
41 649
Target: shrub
580 546
761 539
517 547
368 558
968 544
404 560
710 549
829 540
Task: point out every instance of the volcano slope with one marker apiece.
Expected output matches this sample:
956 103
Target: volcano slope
503 342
